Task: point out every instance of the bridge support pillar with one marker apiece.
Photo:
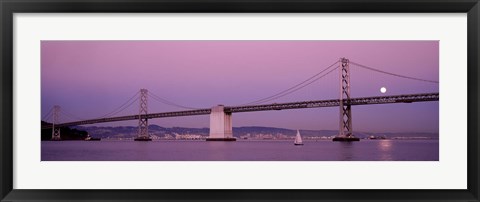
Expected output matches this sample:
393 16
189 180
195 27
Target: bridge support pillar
345 129
56 131
220 125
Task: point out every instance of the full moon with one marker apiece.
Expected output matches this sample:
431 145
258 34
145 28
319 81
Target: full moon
383 89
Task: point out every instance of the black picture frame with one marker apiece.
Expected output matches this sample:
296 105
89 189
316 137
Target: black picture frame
10 7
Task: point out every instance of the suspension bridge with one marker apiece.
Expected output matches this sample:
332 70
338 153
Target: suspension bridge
221 116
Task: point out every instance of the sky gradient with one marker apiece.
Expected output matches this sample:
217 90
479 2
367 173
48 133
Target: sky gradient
91 78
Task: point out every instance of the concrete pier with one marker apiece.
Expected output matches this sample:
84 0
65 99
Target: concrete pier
220 125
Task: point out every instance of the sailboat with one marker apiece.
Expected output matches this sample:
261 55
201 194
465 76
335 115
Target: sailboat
298 139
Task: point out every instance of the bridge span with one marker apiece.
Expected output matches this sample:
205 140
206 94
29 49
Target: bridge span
409 98
221 116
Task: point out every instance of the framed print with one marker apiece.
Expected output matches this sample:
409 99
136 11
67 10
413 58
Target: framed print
241 101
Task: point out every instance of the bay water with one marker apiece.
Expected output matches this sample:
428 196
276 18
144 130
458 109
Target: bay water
241 150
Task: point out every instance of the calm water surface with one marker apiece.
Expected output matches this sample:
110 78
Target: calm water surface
365 150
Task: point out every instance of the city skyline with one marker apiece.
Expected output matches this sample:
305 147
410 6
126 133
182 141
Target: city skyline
91 78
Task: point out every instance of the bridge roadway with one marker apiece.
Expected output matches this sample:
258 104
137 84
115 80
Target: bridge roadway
408 98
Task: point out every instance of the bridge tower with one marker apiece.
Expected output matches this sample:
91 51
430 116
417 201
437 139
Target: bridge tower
56 131
142 117
345 130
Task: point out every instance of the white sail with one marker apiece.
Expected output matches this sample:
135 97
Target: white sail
298 139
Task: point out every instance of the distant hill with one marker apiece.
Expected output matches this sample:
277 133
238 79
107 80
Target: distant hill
131 131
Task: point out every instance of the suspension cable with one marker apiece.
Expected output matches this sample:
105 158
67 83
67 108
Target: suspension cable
70 115
47 115
125 107
295 87
290 92
164 101
392 74
121 107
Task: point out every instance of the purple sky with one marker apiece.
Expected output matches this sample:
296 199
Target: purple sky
91 78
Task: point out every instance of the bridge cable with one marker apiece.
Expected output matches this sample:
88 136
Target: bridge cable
125 107
71 116
47 116
295 87
122 107
64 118
164 101
117 110
392 74
307 84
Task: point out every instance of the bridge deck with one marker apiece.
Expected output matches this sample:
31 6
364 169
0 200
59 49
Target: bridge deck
336 102
425 97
